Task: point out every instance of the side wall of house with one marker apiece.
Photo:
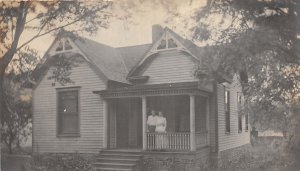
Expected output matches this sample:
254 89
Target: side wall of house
234 138
45 137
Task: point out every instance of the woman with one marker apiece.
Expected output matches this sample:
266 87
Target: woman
161 125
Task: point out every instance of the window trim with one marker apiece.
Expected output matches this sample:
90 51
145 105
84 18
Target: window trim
240 121
66 89
227 105
247 123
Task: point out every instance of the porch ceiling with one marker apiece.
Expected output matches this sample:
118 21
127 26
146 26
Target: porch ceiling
186 88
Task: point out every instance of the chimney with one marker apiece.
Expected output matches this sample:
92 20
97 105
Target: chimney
157 31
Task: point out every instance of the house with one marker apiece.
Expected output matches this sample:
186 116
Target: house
106 107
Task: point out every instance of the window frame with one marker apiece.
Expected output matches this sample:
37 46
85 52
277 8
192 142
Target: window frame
240 123
227 111
247 122
239 106
67 89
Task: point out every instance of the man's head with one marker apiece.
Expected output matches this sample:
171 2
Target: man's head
153 112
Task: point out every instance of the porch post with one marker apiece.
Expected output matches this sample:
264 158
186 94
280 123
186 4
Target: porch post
192 123
144 112
105 120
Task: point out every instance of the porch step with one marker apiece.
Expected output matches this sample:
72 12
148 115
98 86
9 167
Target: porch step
114 160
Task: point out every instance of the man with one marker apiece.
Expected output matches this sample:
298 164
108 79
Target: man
151 125
151 121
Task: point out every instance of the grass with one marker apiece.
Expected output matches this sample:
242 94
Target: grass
265 155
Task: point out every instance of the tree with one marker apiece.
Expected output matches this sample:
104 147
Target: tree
44 18
17 114
260 41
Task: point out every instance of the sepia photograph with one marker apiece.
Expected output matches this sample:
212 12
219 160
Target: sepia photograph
150 85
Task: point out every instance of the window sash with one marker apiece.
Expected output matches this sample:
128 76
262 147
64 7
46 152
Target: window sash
227 111
240 124
68 112
246 122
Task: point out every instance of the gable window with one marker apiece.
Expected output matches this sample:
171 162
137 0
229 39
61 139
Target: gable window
68 112
167 42
162 45
63 44
246 122
227 111
67 45
60 46
171 43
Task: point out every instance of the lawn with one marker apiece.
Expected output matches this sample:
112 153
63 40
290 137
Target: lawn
263 156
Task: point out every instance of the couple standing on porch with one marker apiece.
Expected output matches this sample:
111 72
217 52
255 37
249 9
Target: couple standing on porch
157 124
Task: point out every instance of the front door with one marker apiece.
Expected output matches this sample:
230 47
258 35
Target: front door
128 123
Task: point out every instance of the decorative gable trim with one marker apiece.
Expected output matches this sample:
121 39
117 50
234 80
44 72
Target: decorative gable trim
167 35
52 53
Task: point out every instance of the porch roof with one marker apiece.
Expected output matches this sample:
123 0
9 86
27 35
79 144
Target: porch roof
185 88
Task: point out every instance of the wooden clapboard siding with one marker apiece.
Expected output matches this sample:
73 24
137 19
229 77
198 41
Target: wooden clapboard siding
233 139
90 114
170 67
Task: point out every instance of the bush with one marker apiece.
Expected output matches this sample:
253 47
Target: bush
62 162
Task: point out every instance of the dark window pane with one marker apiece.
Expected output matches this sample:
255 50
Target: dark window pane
227 110
60 46
240 123
171 43
246 122
162 45
67 45
69 124
68 112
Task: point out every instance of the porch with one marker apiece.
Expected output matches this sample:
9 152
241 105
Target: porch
186 109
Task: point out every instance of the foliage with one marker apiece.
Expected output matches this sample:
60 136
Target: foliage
60 162
259 40
42 18
17 114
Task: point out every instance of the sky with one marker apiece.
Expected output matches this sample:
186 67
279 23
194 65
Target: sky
176 14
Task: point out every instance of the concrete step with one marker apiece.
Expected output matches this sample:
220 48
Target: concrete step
120 152
120 156
112 169
114 165
116 160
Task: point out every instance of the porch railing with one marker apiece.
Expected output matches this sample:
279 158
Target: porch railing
201 139
168 141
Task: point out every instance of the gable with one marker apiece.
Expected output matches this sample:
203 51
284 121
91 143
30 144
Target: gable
168 41
169 67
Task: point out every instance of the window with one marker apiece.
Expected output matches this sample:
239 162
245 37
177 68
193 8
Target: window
167 42
67 45
68 112
239 99
227 111
246 122
59 47
239 105
63 44
240 127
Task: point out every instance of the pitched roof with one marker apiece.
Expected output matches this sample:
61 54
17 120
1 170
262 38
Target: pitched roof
133 54
106 58
115 63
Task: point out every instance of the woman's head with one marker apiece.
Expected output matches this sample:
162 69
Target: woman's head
160 113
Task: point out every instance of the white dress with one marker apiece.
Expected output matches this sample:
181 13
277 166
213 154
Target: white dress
161 139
